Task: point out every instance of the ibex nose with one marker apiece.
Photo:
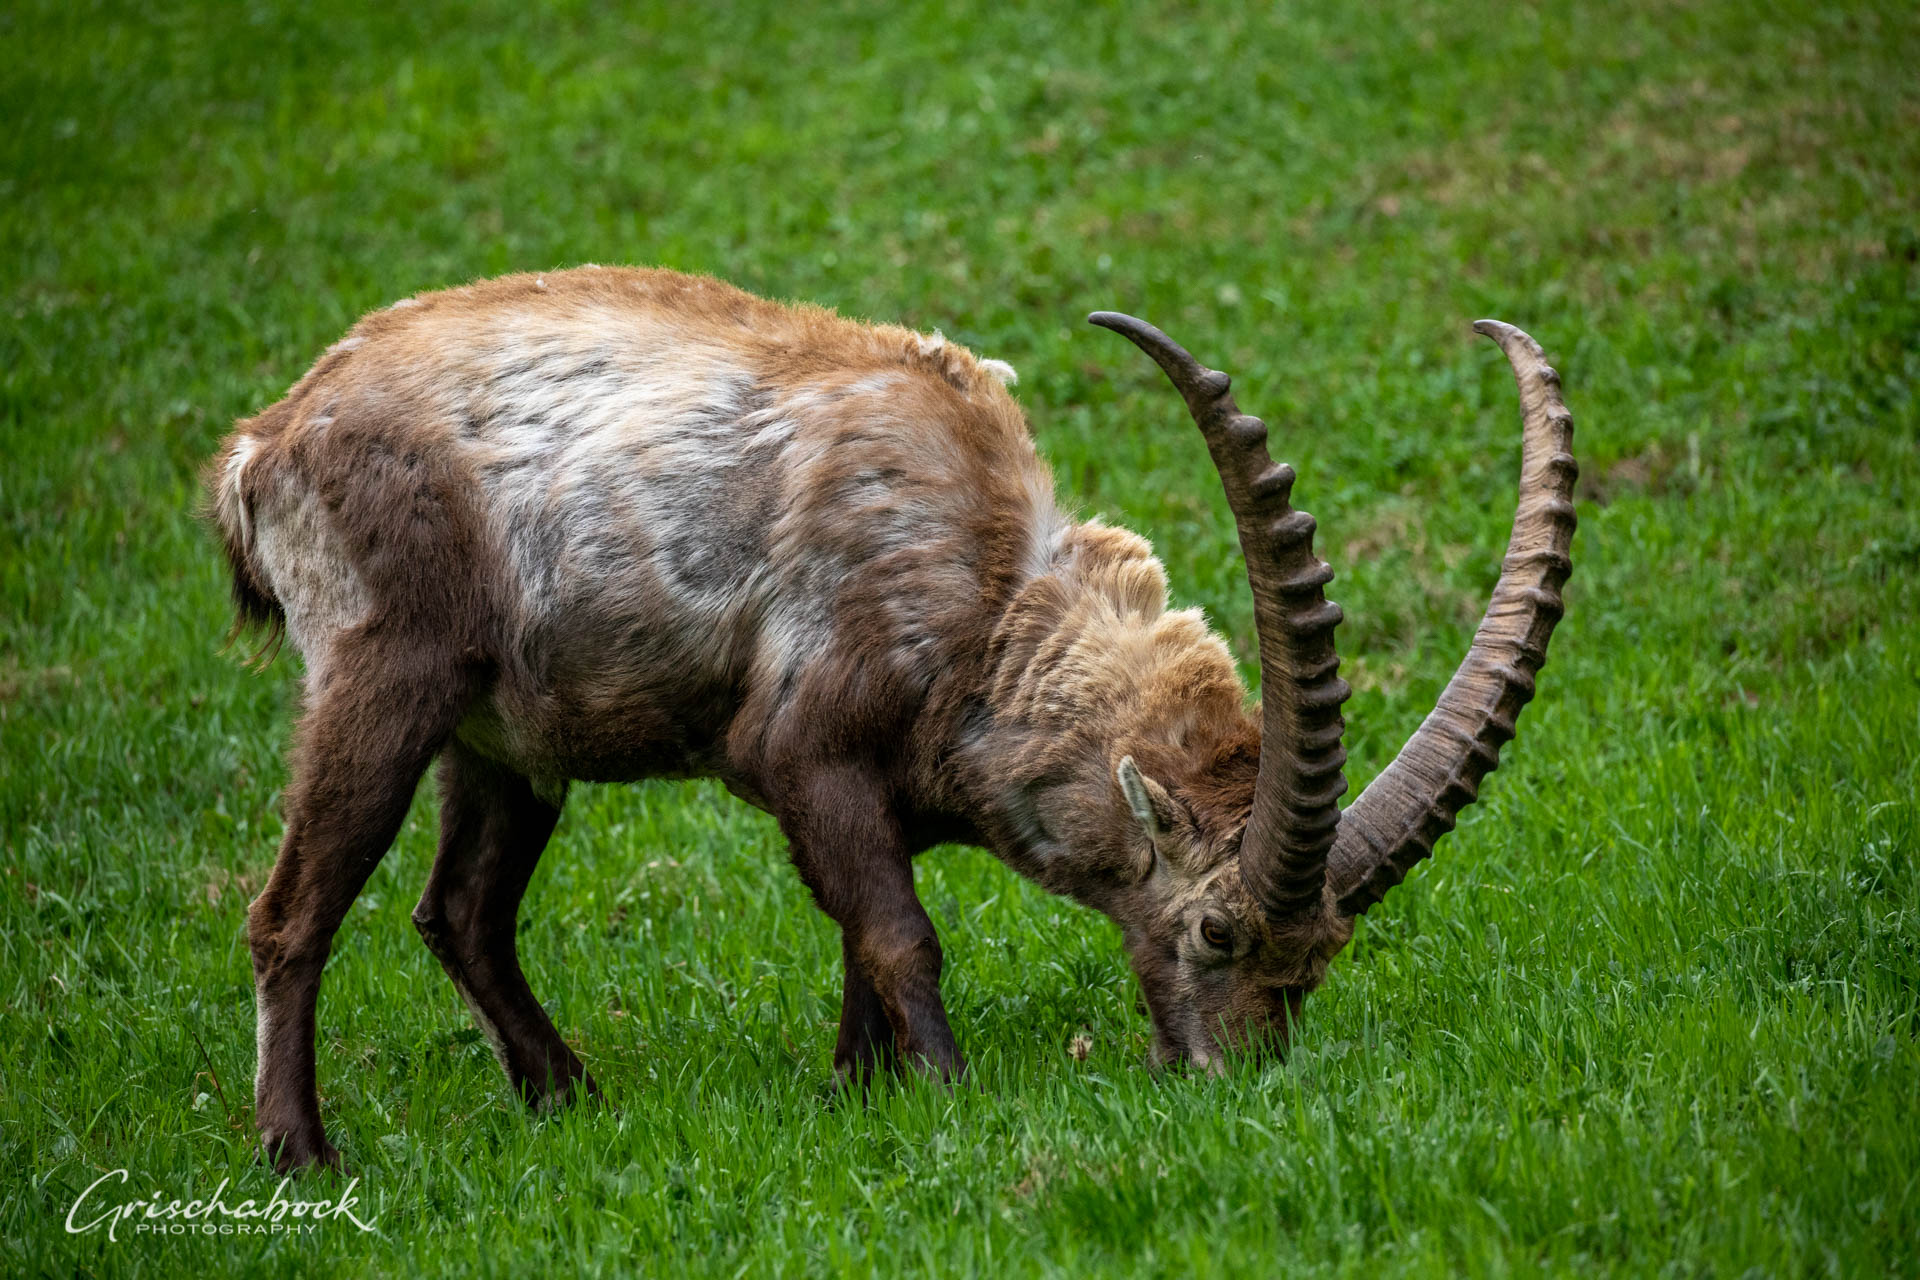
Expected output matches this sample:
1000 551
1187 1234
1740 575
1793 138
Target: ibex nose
1262 1037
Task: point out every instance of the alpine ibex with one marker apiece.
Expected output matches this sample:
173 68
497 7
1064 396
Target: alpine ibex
615 524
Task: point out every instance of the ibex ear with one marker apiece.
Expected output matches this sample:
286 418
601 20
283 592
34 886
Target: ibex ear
1152 806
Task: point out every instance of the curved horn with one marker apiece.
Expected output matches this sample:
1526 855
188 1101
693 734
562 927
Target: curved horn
1283 855
1396 820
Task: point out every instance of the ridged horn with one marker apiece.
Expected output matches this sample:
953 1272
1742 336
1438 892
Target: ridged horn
1415 800
1283 856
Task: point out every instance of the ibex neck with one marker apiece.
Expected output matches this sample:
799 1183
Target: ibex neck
1088 665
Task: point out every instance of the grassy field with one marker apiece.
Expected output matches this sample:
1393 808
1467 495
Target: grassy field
1655 1008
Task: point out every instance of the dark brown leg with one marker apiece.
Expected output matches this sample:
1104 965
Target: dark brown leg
492 831
850 852
866 1046
358 754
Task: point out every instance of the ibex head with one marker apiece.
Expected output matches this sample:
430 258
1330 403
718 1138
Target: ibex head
1251 874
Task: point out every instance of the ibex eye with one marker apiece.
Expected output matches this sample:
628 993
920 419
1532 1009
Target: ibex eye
1215 935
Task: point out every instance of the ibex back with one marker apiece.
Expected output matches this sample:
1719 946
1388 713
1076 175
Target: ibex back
614 524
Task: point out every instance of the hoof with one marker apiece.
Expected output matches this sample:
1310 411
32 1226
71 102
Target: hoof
295 1152
568 1092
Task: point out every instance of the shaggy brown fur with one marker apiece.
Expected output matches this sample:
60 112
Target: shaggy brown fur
611 524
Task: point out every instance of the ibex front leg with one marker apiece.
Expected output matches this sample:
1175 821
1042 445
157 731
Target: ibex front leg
866 1045
849 849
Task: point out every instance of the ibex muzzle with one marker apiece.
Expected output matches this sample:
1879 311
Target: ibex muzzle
616 524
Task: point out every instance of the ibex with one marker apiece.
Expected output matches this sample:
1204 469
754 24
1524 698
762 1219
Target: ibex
615 524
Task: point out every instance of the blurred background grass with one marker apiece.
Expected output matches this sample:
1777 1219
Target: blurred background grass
1652 1008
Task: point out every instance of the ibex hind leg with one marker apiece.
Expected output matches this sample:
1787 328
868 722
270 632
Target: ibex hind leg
493 828
377 712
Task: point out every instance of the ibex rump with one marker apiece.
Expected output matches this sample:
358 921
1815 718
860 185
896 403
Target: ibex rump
613 524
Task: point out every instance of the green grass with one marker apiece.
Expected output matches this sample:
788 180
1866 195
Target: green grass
1655 1008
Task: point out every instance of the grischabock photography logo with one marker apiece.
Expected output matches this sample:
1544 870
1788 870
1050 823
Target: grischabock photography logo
103 1206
